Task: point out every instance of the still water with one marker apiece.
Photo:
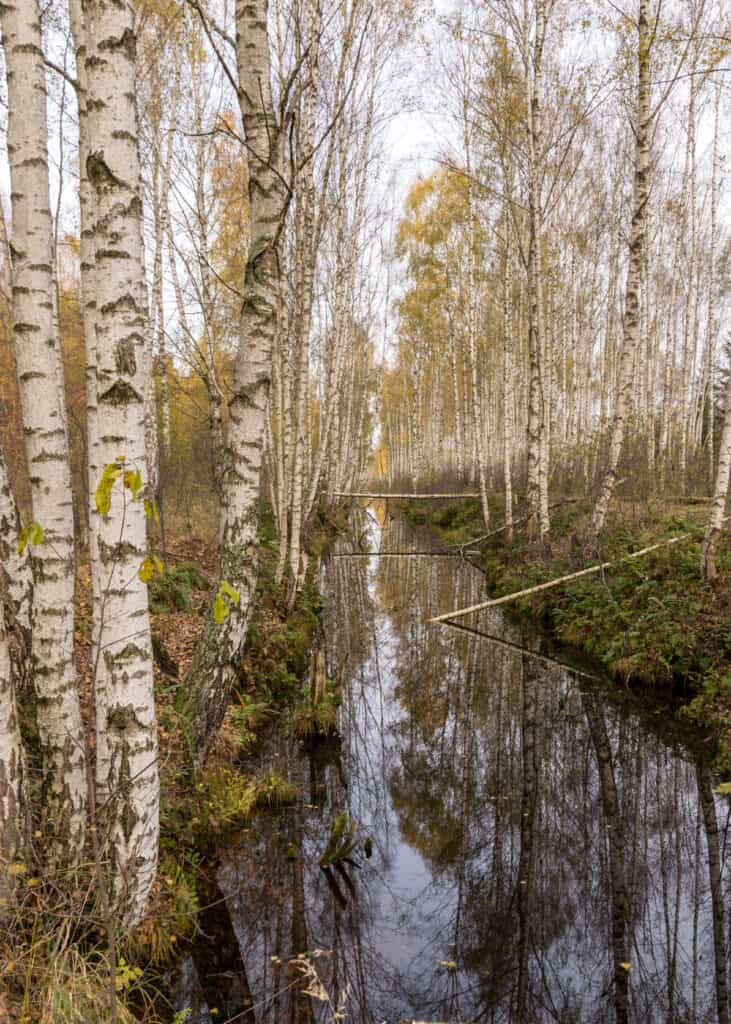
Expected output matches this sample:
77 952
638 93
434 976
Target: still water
529 846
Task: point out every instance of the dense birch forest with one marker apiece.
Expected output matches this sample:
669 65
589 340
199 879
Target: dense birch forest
282 281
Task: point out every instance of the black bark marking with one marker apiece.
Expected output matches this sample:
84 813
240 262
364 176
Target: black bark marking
120 393
125 358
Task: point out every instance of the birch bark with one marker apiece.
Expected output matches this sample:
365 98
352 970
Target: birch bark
38 357
88 301
711 322
306 256
508 424
631 333
213 671
126 770
720 492
16 597
537 455
12 760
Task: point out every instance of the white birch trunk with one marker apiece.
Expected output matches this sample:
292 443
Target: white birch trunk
711 322
38 357
306 256
708 562
126 770
631 338
88 304
12 761
214 669
508 423
16 597
537 412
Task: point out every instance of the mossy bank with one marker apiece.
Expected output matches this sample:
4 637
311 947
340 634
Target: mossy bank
651 621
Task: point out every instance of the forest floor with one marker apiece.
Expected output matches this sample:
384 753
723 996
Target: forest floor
652 622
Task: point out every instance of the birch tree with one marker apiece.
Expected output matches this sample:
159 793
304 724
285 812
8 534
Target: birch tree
720 493
631 329
126 767
16 596
38 360
213 671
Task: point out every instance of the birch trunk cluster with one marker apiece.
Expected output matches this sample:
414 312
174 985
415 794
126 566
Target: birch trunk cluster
37 592
596 281
324 359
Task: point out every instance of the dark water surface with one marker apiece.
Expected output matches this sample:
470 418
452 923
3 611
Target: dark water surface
541 850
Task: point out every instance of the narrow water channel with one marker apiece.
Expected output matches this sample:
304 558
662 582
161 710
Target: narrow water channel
528 847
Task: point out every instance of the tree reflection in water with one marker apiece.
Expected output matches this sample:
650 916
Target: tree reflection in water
540 850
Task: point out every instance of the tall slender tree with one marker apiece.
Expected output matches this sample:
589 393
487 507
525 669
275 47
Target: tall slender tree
214 668
126 769
38 358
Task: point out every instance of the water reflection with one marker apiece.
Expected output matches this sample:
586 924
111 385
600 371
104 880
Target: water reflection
527 849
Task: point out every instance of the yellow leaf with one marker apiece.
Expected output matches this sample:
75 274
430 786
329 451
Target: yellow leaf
146 570
228 591
133 482
103 495
625 966
22 540
220 609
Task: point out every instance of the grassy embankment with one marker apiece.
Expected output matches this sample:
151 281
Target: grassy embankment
651 621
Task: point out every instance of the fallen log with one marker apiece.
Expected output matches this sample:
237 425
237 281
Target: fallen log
528 591
368 494
396 554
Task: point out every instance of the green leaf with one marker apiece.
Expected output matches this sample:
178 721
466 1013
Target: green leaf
36 533
133 482
158 565
103 495
147 507
23 540
225 588
221 610
146 571
155 511
724 789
